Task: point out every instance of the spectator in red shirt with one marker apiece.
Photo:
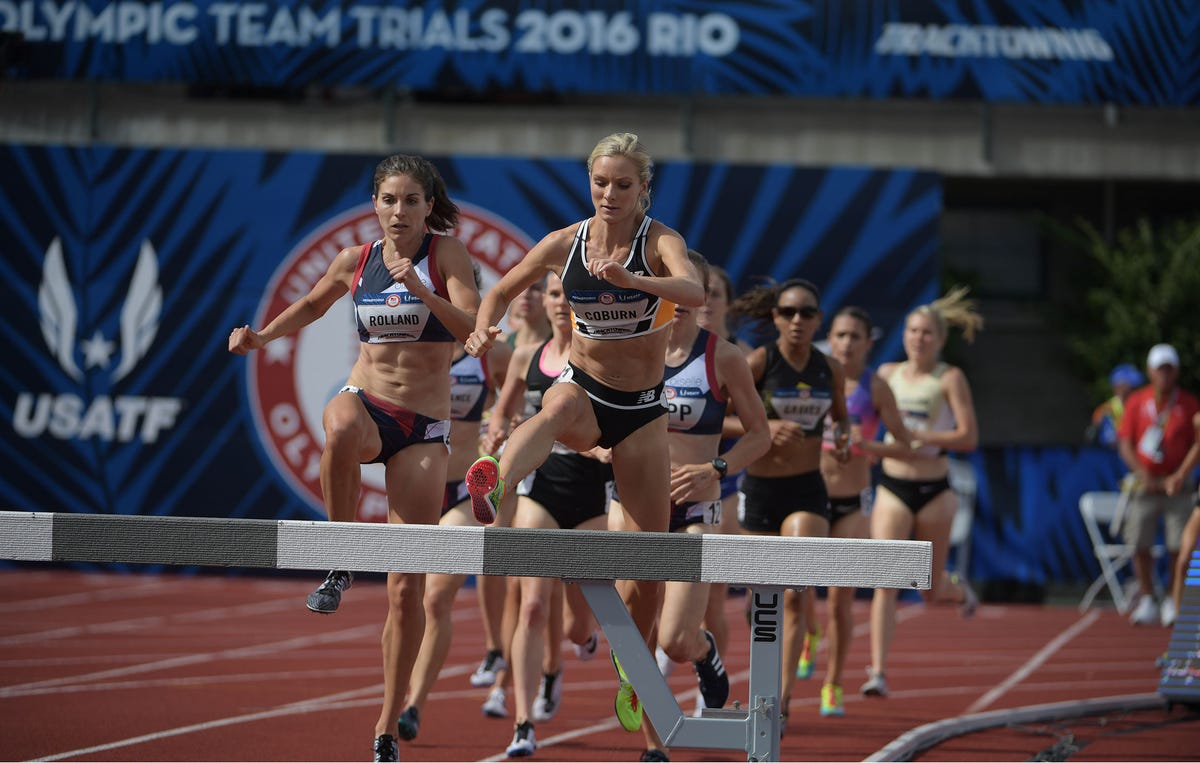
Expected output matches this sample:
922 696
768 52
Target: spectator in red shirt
1155 437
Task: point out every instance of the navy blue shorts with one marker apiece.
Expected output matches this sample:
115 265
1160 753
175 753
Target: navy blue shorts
399 427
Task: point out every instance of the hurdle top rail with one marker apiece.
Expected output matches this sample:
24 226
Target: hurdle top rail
368 547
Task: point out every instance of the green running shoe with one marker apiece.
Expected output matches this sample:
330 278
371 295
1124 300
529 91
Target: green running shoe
808 655
627 706
486 489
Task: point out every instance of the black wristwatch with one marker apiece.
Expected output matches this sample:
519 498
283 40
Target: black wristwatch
719 464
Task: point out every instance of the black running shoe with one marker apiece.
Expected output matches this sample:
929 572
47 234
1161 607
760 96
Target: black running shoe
326 598
408 724
386 748
714 683
655 755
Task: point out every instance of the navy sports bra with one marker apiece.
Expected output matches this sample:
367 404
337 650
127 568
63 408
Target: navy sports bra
468 388
694 401
386 311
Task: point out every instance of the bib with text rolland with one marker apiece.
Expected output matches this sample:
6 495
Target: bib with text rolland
386 311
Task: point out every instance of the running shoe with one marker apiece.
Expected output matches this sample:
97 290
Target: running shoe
408 724
627 706
327 597
710 671
654 755
1167 612
587 650
831 701
486 489
970 601
494 705
808 654
1146 612
523 743
549 696
385 748
491 664
876 685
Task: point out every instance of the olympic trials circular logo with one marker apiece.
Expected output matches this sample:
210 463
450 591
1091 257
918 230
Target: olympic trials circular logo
293 378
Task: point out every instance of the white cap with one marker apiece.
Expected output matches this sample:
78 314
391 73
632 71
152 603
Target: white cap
1162 355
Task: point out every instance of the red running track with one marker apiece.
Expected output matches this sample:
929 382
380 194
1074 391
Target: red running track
214 667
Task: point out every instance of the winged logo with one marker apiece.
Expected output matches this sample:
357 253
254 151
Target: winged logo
60 316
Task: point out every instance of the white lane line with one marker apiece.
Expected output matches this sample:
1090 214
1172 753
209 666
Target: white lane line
152 622
272 648
1043 654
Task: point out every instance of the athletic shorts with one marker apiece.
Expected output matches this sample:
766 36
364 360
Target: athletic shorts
694 513
571 487
767 501
914 494
455 493
398 427
618 413
846 505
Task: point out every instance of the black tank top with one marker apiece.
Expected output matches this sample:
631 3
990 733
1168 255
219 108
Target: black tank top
537 381
804 397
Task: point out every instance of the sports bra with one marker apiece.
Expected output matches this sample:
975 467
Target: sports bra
694 401
862 412
922 404
601 310
386 311
468 388
804 397
538 379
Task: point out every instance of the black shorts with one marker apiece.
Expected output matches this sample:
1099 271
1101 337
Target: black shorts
914 494
618 413
694 513
571 487
398 427
843 506
455 493
768 501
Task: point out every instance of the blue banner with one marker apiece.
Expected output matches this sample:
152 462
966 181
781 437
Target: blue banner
1144 52
127 269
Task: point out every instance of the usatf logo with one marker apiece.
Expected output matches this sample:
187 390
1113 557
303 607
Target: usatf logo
606 298
71 416
293 378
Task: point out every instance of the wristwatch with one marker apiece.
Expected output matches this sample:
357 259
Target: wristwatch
719 464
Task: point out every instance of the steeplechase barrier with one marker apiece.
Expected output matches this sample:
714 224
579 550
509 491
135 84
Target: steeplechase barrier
593 559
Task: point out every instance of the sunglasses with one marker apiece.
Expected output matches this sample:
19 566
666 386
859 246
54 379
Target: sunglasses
808 312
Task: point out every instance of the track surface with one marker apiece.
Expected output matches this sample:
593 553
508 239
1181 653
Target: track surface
101 666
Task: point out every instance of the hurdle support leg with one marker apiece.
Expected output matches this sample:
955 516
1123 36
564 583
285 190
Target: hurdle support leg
754 729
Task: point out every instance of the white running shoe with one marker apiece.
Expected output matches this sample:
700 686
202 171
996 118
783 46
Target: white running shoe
588 650
876 684
494 705
523 743
491 664
1146 611
549 697
1167 612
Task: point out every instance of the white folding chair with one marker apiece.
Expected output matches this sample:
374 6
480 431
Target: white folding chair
962 481
1101 511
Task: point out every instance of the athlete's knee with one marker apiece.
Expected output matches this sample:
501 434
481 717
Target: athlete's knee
439 600
534 610
406 595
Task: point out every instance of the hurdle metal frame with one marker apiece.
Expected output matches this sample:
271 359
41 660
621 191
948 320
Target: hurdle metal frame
593 559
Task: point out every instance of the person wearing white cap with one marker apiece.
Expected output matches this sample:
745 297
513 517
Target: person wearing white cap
1157 434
